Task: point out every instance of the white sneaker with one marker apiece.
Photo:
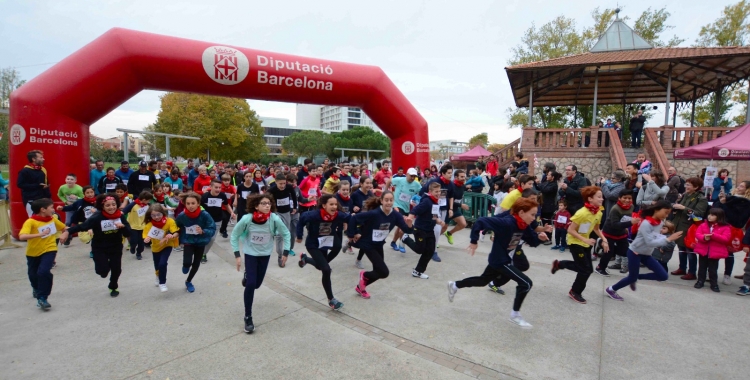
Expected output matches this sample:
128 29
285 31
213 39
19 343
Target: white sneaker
358 264
727 280
156 282
423 276
163 287
521 322
451 290
481 237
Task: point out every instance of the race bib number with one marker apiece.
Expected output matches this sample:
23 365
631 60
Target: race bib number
403 197
260 238
142 211
142 177
442 202
514 240
205 189
111 186
325 241
584 228
282 202
108 225
245 194
435 209
626 219
191 230
156 233
72 198
345 209
125 181
312 192
175 186
379 235
562 219
48 230
214 202
229 195
87 212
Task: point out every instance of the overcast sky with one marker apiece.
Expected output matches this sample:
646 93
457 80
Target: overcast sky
448 58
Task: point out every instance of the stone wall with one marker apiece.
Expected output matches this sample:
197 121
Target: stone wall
591 167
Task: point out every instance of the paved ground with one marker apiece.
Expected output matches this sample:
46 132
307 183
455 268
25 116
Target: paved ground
407 330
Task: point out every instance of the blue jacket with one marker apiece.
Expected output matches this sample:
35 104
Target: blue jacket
446 190
204 220
346 206
507 235
359 198
316 227
192 175
718 184
375 220
3 183
423 212
123 176
476 182
96 176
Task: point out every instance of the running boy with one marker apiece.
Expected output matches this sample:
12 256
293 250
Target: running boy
197 229
285 197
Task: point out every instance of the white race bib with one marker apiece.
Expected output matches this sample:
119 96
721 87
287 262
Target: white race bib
108 225
48 230
312 192
110 186
435 209
125 181
403 197
325 241
245 194
229 195
88 211
72 198
282 202
379 235
562 219
142 211
156 233
260 238
584 228
626 219
142 177
205 189
214 202
175 186
442 202
192 230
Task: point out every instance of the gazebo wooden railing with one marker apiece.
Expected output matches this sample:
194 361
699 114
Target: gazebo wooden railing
507 153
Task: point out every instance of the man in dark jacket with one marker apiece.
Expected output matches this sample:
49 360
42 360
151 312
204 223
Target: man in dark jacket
143 179
636 128
32 180
571 188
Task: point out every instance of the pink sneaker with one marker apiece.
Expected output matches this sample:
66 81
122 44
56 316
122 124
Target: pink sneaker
362 292
362 282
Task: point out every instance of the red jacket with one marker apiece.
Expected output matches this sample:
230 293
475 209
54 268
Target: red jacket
565 214
492 168
200 183
716 248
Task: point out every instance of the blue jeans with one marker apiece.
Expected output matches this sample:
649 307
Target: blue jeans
255 271
160 263
136 242
688 260
634 266
39 271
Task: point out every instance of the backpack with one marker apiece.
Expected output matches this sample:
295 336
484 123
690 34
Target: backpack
681 186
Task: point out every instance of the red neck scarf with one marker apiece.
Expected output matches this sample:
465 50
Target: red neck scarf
41 218
434 200
520 223
110 177
159 198
203 176
355 176
445 180
654 222
304 169
193 214
123 197
622 206
159 224
345 199
227 188
260 218
36 167
91 200
326 216
570 179
458 183
116 215
593 209
334 177
141 203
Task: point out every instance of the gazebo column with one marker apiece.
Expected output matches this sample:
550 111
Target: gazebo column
669 90
531 104
692 109
717 103
747 113
596 94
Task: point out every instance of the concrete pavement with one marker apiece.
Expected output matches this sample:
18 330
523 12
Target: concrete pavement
407 330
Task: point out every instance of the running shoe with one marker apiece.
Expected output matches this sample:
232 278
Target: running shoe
281 263
613 294
156 282
335 304
394 246
496 289
402 249
349 250
114 293
698 285
555 247
291 253
449 236
249 326
562 249
437 245
744 290
601 272
358 264
163 287
421 275
520 322
138 257
224 235
452 289
185 270
727 280
204 259
34 293
91 255
555 266
481 237
632 286
576 297
363 293
715 288
615 266
435 257
178 248
66 244
302 261
42 303
362 281
190 287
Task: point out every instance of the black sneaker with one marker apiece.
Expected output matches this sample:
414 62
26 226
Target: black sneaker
302 261
715 288
555 266
204 259
615 266
42 303
601 272
249 326
34 293
335 304
698 284
576 297
224 235
113 293
138 256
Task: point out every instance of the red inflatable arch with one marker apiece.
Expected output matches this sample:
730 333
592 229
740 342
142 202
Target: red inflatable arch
53 111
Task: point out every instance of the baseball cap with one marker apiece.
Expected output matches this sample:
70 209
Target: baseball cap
143 163
412 171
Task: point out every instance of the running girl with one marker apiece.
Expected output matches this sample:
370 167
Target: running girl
162 232
427 215
197 229
136 213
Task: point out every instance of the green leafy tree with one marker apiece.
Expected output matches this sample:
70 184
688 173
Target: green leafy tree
10 79
308 143
362 138
480 139
96 149
731 29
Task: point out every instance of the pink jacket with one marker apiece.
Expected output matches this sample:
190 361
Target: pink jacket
716 248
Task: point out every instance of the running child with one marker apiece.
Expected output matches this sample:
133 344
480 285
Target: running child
109 227
109 182
41 250
163 234
227 210
333 180
136 213
324 239
346 204
213 201
649 237
285 197
81 209
425 216
257 230
69 193
197 229
459 187
244 190
358 201
404 188
561 220
616 227
122 193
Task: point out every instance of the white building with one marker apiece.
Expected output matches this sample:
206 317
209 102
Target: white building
333 118
275 129
449 146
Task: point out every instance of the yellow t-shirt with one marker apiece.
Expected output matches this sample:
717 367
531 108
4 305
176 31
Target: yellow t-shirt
510 199
586 222
169 228
136 221
37 246
330 185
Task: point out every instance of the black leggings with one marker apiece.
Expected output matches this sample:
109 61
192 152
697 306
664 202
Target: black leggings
617 247
109 261
225 215
320 260
424 246
581 264
136 242
191 258
500 276
379 269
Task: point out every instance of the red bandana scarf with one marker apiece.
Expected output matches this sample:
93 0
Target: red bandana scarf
159 224
44 219
622 206
445 180
116 215
593 209
91 200
520 223
458 183
260 218
334 177
343 198
434 200
654 222
111 177
123 197
159 197
193 214
141 203
326 216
